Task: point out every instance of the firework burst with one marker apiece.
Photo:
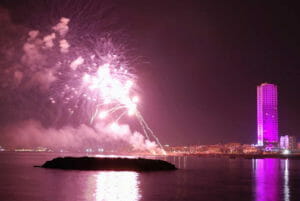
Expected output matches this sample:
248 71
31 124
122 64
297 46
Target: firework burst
97 85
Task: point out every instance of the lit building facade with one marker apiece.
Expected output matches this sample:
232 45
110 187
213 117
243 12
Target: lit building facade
267 115
288 142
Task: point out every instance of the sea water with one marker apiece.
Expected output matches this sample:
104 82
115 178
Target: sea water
207 179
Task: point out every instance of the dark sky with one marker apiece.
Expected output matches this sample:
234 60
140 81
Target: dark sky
203 61
206 59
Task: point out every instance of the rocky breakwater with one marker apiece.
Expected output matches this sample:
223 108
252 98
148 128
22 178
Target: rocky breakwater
117 164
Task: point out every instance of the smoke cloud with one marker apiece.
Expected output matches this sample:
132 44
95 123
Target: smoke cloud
77 62
31 134
64 46
36 50
48 40
62 27
33 62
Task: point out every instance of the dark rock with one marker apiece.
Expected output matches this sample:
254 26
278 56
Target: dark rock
119 164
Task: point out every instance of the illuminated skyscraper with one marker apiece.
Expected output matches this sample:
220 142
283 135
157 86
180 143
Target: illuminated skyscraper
267 115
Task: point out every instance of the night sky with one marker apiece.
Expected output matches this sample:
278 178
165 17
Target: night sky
201 63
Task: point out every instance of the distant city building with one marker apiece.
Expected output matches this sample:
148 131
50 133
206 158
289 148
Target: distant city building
288 142
267 115
2 149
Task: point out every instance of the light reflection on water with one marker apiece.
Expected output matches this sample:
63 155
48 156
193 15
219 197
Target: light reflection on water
271 179
179 161
117 186
286 181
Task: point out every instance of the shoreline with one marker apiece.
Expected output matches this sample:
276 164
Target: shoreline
245 156
200 155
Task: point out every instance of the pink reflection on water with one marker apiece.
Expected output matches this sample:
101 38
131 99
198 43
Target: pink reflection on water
117 186
286 188
267 172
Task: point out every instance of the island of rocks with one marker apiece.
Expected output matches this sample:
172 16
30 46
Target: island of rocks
117 164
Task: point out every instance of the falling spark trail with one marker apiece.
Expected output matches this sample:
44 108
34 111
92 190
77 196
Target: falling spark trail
140 117
120 116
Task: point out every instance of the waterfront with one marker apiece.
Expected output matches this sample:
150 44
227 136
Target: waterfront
197 179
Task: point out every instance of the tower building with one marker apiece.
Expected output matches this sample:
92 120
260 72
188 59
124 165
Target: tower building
267 115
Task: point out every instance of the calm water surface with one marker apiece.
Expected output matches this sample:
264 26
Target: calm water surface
207 179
